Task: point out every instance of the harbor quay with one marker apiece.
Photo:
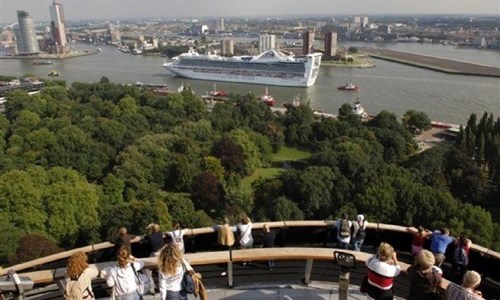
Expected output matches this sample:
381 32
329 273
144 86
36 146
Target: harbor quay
433 63
72 54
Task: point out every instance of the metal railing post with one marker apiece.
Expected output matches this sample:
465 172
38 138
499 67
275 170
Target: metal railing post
230 268
309 266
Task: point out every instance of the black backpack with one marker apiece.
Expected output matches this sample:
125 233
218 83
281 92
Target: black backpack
361 234
460 256
345 230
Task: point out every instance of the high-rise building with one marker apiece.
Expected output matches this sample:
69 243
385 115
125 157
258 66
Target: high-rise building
57 26
308 42
365 22
26 34
330 43
266 42
227 47
219 26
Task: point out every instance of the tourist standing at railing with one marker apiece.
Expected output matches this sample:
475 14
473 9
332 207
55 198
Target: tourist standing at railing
225 238
177 236
244 227
424 277
155 238
359 233
80 277
125 239
382 268
343 226
468 289
267 240
121 276
420 236
172 267
439 242
460 258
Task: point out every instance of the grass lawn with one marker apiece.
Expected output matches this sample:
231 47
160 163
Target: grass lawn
261 172
286 153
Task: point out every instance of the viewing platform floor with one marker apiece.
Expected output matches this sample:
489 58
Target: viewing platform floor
312 291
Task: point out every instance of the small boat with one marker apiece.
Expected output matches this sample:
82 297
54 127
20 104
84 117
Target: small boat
266 98
54 73
295 102
349 87
358 110
217 93
41 62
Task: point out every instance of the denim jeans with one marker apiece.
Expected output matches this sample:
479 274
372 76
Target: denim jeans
130 296
179 295
343 245
357 244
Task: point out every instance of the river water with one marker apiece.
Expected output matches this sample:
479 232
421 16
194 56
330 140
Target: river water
388 86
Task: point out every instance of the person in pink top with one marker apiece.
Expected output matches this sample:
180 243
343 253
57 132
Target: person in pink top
420 236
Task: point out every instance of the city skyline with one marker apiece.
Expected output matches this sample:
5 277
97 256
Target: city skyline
123 9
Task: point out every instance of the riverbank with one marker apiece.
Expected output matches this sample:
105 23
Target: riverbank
433 63
72 54
359 60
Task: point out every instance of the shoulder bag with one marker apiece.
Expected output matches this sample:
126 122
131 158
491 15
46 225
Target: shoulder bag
143 283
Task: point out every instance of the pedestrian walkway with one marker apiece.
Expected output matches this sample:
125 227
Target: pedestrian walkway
313 291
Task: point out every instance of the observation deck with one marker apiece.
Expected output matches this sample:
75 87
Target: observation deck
304 265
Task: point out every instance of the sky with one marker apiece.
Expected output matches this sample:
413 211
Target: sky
123 9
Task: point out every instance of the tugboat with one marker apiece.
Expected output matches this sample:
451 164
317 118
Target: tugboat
41 62
295 102
54 73
358 110
266 98
217 93
349 87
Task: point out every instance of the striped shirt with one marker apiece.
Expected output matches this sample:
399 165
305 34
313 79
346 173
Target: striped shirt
381 274
457 292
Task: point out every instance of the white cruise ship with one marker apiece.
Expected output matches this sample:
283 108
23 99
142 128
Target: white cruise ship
272 67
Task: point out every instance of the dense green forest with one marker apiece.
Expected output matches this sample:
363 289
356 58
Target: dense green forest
79 161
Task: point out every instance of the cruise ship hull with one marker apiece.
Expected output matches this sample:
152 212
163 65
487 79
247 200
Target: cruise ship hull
240 78
271 67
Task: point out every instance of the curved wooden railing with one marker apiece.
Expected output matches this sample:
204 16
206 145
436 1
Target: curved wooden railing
208 230
222 257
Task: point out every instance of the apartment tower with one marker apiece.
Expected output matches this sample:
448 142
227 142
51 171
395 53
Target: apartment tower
227 47
266 42
308 42
330 43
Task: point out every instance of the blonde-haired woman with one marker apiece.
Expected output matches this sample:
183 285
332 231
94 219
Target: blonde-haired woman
382 268
245 229
78 269
122 276
171 266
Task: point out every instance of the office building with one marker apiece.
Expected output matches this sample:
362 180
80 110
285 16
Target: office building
266 42
26 34
219 26
57 26
330 43
308 42
227 47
